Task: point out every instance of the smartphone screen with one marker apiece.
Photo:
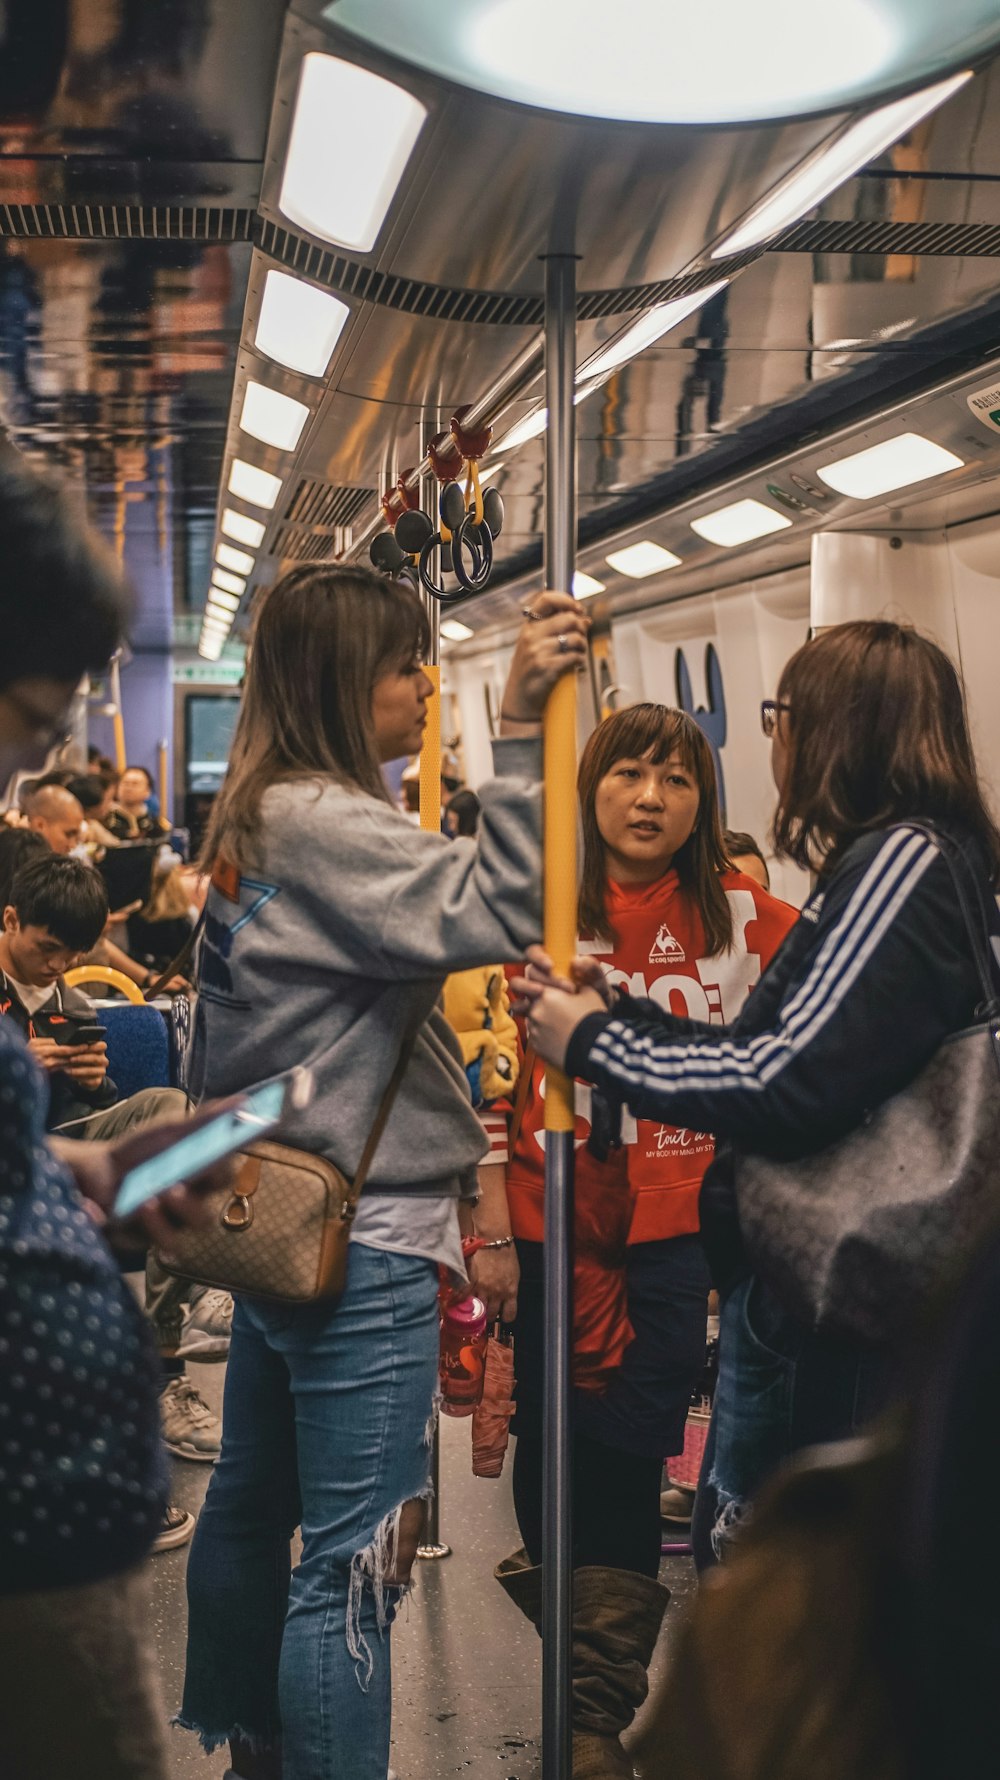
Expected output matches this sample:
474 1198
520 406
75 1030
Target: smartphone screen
84 1035
255 1114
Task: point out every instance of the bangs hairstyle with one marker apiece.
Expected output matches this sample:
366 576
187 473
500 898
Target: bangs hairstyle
655 732
321 639
63 895
877 732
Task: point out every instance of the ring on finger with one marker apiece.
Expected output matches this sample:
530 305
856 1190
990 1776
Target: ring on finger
562 643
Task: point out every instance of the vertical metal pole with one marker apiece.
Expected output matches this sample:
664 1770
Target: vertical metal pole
432 1546
560 938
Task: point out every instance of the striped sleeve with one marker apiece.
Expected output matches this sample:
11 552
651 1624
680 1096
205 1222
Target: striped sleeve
494 1122
862 1013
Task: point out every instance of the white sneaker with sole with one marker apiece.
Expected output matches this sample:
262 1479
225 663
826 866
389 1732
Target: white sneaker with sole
190 1430
208 1325
178 1525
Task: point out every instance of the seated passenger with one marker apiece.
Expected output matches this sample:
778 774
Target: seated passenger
745 855
331 925
96 799
879 971
130 818
663 916
55 814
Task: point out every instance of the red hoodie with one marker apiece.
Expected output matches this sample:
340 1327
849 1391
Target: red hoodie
660 953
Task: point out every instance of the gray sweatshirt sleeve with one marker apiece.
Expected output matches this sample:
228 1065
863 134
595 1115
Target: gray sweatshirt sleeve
384 899
455 904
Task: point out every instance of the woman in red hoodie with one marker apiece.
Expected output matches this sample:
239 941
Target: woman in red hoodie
664 910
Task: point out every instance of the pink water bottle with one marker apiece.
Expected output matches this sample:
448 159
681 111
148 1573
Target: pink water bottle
463 1355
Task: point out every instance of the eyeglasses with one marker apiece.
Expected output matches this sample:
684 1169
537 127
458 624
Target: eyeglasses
769 715
47 731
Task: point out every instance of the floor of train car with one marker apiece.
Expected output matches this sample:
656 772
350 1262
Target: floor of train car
466 1669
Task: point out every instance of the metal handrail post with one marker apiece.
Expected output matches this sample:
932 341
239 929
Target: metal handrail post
560 937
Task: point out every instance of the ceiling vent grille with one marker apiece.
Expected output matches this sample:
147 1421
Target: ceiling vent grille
322 503
956 240
303 546
126 222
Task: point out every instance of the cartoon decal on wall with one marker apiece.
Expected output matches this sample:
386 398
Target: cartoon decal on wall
711 722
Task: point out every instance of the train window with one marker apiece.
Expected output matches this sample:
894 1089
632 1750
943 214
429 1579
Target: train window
209 721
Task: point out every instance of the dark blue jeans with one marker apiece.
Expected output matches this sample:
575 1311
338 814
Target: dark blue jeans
327 1424
780 1389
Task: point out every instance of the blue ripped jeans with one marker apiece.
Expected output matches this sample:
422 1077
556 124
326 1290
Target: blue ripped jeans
327 1425
781 1388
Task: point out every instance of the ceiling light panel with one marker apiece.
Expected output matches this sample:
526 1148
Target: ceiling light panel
639 560
893 464
271 417
238 560
650 327
821 174
739 523
454 631
249 483
241 527
298 325
209 651
231 583
584 586
230 602
330 186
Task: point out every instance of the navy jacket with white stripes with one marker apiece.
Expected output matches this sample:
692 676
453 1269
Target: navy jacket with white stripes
877 972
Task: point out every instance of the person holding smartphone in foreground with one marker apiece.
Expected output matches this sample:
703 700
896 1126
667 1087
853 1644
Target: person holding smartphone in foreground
82 1485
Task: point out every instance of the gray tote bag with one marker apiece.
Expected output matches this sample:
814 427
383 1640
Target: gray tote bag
864 1235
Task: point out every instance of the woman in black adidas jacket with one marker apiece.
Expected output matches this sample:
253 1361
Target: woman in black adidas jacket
869 730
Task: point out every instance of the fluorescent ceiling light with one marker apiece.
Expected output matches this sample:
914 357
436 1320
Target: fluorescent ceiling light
648 328
231 583
454 631
229 602
828 168
298 325
228 558
584 586
221 619
640 560
893 464
208 650
249 483
214 631
271 417
739 523
332 186
241 527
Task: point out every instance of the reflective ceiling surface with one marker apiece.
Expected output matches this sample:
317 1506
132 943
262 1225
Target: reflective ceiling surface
141 154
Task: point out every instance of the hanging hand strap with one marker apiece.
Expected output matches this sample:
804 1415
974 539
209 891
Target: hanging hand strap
179 964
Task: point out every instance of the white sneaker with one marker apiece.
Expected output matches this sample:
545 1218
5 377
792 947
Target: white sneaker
190 1430
178 1525
208 1325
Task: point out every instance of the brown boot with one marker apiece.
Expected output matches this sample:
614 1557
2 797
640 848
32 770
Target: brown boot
521 1581
617 1617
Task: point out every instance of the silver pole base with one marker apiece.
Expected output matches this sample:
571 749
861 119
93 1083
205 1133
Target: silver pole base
431 1553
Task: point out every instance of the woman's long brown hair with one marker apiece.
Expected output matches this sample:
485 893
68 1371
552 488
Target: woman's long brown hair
877 732
322 638
655 732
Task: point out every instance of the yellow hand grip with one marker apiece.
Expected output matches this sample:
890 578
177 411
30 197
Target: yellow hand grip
101 973
559 736
430 757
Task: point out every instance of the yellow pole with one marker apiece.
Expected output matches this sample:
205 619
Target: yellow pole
121 758
430 756
162 774
559 734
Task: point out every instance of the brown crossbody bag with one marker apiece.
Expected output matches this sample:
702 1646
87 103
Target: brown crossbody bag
283 1229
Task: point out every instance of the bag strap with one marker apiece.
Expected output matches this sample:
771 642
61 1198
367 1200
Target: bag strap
356 1187
978 930
521 1097
177 965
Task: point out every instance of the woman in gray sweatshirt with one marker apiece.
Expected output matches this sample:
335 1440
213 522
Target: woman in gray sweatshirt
331 925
